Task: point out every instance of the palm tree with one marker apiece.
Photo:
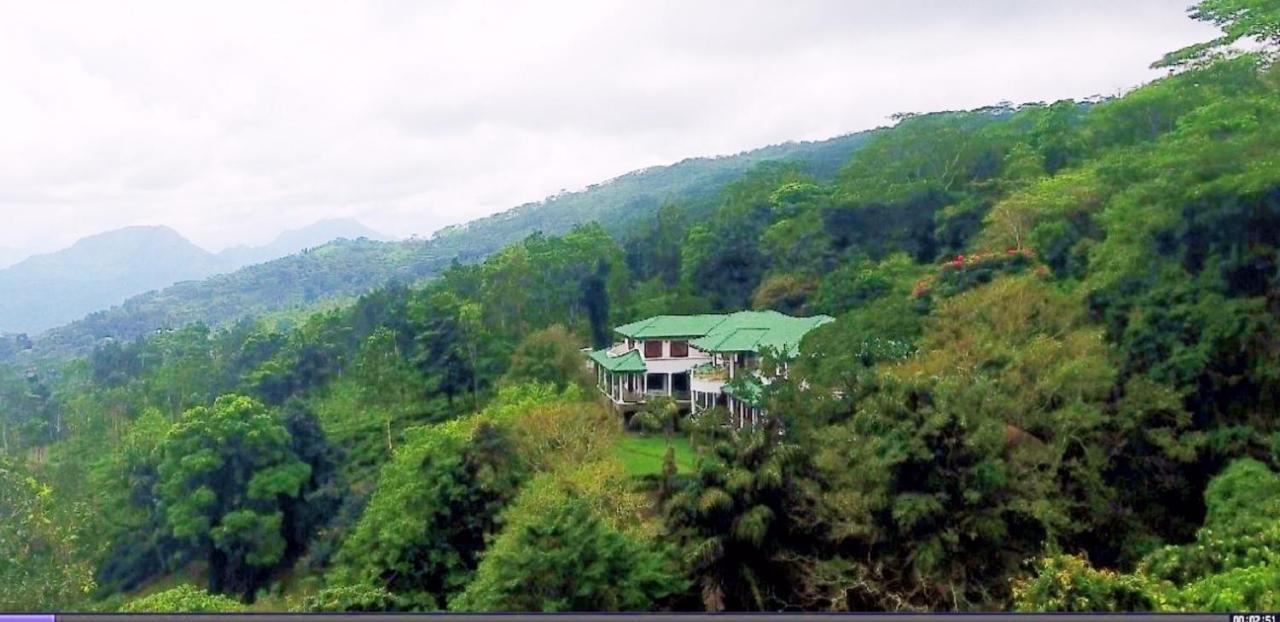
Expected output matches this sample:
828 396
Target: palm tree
661 413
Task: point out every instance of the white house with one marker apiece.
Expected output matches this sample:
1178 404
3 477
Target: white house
695 360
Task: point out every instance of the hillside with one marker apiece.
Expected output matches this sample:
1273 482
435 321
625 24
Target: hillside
338 269
99 271
1049 384
348 268
621 202
295 240
104 270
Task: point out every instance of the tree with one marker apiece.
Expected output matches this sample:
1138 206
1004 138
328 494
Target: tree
225 477
786 293
183 599
40 567
734 521
450 340
654 252
722 261
1238 19
658 415
555 554
1232 565
388 382
436 502
548 356
595 297
125 481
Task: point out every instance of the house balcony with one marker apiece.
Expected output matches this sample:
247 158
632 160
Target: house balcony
710 372
708 378
623 396
679 396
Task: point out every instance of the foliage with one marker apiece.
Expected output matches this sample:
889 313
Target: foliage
225 481
1231 566
1068 583
564 432
733 520
437 500
966 271
183 599
1238 19
350 598
555 553
548 356
40 569
1075 409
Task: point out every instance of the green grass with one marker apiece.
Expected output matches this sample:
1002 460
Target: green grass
642 455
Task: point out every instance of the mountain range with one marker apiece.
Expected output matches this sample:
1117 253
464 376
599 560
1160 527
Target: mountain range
104 270
349 268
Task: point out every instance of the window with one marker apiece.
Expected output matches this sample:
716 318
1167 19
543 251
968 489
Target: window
680 383
656 382
652 349
680 349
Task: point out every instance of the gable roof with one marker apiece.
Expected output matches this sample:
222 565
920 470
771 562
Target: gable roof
744 331
752 331
631 361
666 326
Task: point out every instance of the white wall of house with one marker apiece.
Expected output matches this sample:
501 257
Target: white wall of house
701 392
660 379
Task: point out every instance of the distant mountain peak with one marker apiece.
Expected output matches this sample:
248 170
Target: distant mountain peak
292 241
331 229
105 269
94 273
131 233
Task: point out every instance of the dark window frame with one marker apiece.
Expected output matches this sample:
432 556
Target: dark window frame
679 348
661 382
681 378
648 347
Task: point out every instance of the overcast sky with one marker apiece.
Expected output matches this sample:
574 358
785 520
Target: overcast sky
231 121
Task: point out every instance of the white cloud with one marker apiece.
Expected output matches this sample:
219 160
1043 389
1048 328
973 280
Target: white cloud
233 120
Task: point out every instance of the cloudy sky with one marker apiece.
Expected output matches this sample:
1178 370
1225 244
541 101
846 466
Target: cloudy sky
231 121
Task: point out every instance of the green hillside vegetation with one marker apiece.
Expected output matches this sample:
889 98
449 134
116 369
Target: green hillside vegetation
1051 385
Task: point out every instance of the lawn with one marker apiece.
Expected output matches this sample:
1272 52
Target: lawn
642 455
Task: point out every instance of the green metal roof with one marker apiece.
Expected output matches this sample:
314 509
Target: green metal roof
744 331
752 331
629 362
665 326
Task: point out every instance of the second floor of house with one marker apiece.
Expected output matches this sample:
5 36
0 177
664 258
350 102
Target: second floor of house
713 347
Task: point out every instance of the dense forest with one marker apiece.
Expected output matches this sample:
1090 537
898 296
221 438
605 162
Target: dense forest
1051 385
